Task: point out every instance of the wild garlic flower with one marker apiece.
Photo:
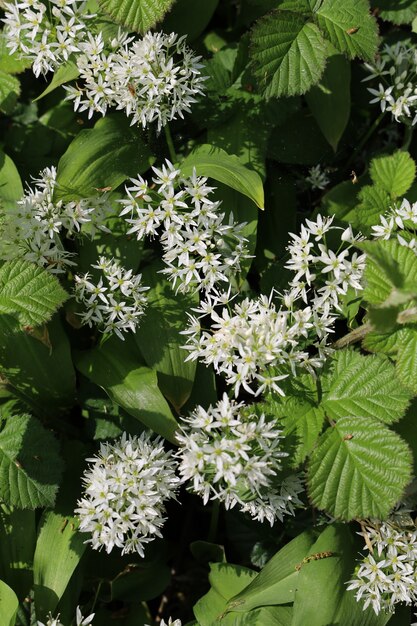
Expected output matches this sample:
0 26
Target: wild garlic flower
116 302
153 79
322 275
47 34
125 490
227 453
395 71
79 619
317 178
388 573
35 228
256 343
399 221
200 249
176 622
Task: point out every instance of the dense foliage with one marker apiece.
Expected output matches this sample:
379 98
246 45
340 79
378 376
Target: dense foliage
208 312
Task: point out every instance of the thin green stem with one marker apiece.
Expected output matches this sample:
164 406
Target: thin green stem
408 136
170 144
96 596
214 522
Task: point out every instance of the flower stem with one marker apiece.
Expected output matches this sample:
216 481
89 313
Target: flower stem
170 144
408 135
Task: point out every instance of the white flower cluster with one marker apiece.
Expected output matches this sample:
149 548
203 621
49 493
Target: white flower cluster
153 79
257 343
198 248
388 574
115 304
126 487
47 34
323 276
402 219
396 69
234 456
317 178
79 619
33 230
176 622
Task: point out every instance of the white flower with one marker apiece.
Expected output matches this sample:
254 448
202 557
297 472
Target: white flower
116 302
125 489
83 621
317 178
230 454
199 248
176 622
154 79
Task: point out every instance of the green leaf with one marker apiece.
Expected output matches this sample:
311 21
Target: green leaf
289 53
395 174
116 368
64 74
225 168
397 11
359 469
189 18
103 156
277 581
406 365
136 15
159 340
59 549
11 63
374 201
341 201
9 605
17 545
306 420
363 386
324 576
329 101
30 464
391 269
29 292
37 366
9 92
350 27
11 188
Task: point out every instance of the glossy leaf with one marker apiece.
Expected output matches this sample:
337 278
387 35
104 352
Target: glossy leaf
118 369
64 74
225 168
9 605
101 157
359 469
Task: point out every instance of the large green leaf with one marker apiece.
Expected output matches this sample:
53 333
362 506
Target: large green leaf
9 605
225 168
30 292
9 92
289 52
65 73
59 549
397 11
17 546
11 188
350 27
101 157
159 340
329 101
305 420
137 15
366 386
406 365
117 368
359 469
374 202
323 575
277 581
30 464
37 366
395 174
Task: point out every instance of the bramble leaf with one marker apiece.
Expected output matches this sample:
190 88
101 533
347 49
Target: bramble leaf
395 174
366 386
289 53
29 292
29 477
359 469
136 15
